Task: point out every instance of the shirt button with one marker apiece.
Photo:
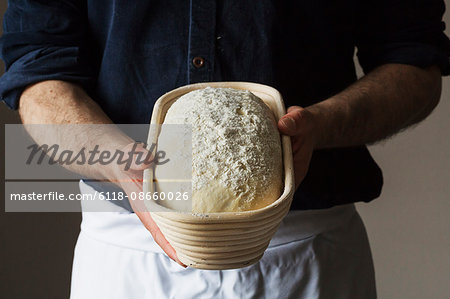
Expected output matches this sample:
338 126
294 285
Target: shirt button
198 62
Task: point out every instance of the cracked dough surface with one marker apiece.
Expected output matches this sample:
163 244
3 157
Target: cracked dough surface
236 149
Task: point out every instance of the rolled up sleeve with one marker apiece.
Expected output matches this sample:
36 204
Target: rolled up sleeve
402 31
44 40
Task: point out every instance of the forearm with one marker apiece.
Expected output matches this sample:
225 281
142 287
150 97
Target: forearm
62 103
56 102
59 102
387 100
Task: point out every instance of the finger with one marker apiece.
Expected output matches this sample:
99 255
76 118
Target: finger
289 123
287 126
141 211
293 108
141 158
302 159
130 180
297 142
133 184
157 235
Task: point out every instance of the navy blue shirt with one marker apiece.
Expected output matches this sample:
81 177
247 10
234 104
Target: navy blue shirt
127 53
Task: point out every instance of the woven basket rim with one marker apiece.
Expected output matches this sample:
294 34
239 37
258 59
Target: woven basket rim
277 106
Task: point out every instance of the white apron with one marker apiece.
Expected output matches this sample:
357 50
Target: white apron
314 254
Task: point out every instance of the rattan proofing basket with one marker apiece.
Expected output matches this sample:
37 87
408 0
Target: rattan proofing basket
218 241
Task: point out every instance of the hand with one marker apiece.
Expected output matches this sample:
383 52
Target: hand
131 181
298 123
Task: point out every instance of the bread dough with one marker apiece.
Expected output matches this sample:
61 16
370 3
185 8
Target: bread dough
236 150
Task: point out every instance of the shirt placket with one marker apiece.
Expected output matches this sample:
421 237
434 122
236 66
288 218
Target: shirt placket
202 27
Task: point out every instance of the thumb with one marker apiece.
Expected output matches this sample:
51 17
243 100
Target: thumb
287 125
142 158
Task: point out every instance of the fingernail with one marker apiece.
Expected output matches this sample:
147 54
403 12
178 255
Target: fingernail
181 264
